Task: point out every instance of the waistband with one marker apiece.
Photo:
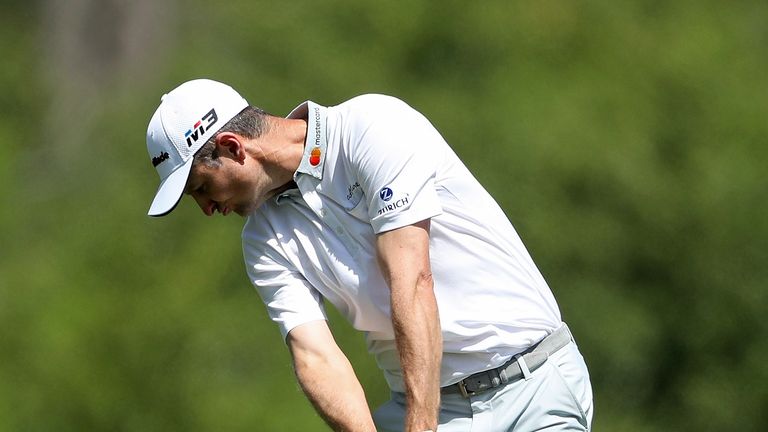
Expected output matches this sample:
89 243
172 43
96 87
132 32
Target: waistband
518 367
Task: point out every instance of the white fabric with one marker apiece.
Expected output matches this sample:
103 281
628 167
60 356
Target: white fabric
382 166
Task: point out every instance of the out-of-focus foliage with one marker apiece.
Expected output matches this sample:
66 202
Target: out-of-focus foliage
625 140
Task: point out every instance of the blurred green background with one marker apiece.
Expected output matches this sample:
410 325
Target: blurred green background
623 139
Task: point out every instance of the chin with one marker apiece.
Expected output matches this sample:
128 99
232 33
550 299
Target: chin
246 210
243 211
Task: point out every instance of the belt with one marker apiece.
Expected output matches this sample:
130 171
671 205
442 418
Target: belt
512 371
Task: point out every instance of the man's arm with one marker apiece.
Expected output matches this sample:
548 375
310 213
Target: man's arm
404 260
327 378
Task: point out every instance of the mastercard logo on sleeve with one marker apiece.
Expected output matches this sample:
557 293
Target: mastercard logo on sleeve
314 157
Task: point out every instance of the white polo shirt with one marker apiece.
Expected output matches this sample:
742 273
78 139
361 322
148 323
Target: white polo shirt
374 164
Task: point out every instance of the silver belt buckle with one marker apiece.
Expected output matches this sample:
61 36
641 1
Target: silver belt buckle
463 389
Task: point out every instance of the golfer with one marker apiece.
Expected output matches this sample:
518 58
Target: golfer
364 205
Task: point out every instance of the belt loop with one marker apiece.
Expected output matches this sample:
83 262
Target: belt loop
523 366
503 375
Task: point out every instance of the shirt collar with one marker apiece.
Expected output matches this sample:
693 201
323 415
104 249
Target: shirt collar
289 195
313 160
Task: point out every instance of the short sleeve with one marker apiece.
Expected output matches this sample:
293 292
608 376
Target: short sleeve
395 154
289 298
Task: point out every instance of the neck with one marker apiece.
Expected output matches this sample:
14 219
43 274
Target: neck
281 147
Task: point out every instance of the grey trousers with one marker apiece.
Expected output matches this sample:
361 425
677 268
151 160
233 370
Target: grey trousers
555 397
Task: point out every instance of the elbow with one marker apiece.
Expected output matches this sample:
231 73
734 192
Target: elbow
308 361
424 279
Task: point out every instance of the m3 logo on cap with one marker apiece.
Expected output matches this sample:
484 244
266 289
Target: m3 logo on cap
199 129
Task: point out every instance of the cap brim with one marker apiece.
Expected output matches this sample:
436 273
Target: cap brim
170 191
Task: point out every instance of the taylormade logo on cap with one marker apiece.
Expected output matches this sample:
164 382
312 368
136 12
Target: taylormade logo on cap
186 119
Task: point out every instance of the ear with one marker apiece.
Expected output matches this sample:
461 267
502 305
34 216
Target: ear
231 145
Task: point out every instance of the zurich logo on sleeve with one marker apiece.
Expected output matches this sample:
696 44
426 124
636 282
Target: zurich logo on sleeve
385 194
401 203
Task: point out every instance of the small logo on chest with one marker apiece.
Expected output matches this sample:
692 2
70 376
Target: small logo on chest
351 189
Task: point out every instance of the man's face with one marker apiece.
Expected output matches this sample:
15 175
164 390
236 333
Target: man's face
233 186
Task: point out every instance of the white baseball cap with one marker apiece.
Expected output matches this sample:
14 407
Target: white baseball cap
187 117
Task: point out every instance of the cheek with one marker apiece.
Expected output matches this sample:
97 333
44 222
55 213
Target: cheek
242 187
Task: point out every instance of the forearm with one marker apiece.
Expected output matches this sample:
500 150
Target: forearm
419 342
330 384
404 259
